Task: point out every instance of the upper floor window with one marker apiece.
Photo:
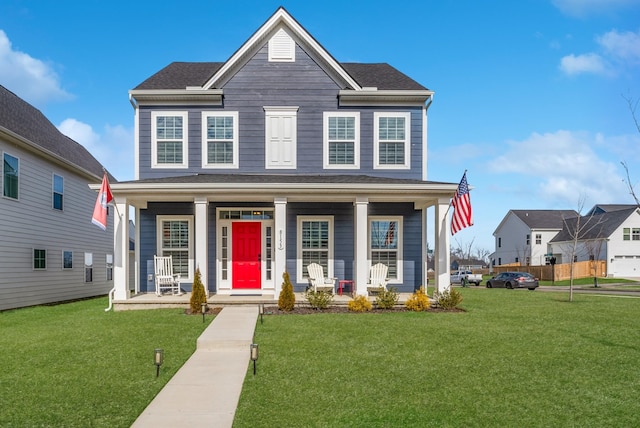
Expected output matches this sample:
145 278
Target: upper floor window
538 238
528 239
220 140
631 234
58 192
10 175
499 242
281 137
169 139
392 140
341 140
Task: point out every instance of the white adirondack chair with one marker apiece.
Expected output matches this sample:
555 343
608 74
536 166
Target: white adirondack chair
165 279
378 277
317 279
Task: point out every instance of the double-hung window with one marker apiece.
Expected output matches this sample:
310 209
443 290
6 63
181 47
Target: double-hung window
538 239
315 245
631 234
220 139
39 259
169 139
341 146
175 239
58 192
10 175
392 140
385 244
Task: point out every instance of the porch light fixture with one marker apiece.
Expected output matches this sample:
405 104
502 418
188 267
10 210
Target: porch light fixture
253 349
203 308
158 359
261 311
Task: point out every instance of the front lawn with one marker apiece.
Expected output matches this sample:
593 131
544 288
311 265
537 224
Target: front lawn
75 365
515 358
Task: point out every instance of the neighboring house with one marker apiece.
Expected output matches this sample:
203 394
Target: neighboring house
277 158
49 251
607 232
522 236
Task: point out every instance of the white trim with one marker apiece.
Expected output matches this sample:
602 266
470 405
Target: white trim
5 153
299 267
282 47
280 113
376 140
185 139
399 234
235 140
53 191
190 250
325 139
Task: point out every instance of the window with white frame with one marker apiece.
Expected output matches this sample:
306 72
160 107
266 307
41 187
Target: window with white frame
39 259
58 192
385 244
169 139
220 139
341 144
538 239
109 260
175 238
10 176
315 244
392 140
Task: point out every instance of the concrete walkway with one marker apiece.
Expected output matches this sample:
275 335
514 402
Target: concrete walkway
206 389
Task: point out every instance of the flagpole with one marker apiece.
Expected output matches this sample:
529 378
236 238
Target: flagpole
104 171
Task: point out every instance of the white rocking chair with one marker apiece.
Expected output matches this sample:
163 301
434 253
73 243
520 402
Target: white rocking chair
378 278
166 281
317 279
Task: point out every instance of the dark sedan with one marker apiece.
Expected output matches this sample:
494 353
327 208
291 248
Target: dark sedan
513 280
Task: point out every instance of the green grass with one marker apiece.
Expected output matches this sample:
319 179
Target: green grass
75 365
515 358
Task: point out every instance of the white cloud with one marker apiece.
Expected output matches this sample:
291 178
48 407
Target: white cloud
624 46
586 63
113 147
560 167
582 8
31 79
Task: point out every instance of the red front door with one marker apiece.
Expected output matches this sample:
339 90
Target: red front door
246 255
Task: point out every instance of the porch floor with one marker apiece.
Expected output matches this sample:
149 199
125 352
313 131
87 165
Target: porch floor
151 301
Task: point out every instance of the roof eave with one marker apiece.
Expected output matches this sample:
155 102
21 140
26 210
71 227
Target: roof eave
404 97
191 95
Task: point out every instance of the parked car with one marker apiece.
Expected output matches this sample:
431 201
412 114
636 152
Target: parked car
513 280
471 278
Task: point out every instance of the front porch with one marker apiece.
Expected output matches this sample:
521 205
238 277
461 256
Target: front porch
152 301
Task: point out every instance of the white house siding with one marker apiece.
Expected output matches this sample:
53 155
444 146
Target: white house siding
510 241
31 222
624 256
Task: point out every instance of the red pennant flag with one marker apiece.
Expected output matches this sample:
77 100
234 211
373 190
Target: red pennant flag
100 210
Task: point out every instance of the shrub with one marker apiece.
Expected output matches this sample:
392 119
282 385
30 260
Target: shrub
418 301
198 295
287 299
386 299
318 299
359 304
449 299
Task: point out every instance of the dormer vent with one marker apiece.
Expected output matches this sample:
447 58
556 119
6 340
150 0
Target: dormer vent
282 48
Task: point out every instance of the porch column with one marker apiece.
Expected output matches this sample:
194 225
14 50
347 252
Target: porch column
425 250
361 262
442 255
201 239
121 248
280 245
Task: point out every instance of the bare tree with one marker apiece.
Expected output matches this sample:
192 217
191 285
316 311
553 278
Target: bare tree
633 106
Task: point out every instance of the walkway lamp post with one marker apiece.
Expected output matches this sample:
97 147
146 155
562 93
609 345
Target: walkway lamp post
253 349
158 359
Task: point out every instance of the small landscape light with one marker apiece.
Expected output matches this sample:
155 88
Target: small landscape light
254 355
158 359
261 311
203 308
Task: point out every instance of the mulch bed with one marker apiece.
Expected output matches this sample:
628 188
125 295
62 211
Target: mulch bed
307 310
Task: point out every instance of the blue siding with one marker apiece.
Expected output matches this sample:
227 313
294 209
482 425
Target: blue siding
261 83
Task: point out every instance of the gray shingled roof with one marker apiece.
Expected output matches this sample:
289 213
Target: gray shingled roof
594 226
179 75
279 178
605 208
544 219
23 119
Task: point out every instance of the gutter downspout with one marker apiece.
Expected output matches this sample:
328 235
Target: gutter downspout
113 290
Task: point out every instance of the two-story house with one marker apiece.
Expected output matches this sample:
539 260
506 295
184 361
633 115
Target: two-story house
280 157
49 249
523 235
606 232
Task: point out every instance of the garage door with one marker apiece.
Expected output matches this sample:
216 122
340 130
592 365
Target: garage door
626 266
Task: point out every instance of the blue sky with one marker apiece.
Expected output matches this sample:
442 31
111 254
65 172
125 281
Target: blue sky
528 94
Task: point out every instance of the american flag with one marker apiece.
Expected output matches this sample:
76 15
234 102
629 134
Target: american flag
461 217
391 234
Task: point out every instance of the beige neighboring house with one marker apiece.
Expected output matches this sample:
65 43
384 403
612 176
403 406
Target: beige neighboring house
523 235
